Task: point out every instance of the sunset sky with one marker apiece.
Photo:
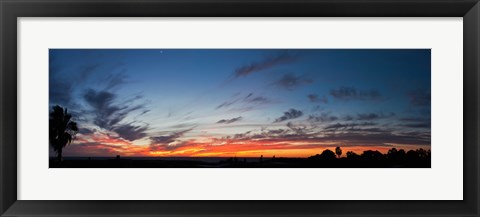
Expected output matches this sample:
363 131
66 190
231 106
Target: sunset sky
242 102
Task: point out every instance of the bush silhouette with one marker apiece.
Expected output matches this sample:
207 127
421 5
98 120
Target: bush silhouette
372 155
328 155
371 159
62 130
352 155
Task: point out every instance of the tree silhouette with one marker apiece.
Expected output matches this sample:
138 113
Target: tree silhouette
62 130
338 151
352 155
392 152
327 155
372 155
422 153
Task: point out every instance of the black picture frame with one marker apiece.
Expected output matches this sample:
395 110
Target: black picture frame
10 10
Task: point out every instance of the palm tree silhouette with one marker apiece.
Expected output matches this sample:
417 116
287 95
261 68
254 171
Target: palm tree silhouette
62 130
338 151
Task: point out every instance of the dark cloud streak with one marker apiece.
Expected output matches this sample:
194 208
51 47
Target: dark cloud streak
267 63
229 121
419 97
290 81
290 114
109 116
323 117
131 132
314 98
164 142
373 116
350 93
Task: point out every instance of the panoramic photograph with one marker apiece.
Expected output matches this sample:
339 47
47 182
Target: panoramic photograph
239 108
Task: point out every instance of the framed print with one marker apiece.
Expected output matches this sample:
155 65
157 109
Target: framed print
181 108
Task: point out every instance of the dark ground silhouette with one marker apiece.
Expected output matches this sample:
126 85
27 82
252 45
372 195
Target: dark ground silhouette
419 158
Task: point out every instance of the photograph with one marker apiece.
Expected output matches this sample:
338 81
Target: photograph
239 108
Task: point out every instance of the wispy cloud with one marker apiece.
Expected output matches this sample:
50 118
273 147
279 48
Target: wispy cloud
87 70
257 100
298 128
323 117
415 122
62 86
419 97
264 64
247 103
339 126
60 92
116 80
229 121
373 116
291 81
356 138
131 132
108 114
350 93
86 131
359 134
161 142
226 104
314 98
290 114
105 145
425 125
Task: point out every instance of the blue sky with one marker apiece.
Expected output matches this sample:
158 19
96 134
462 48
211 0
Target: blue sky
190 101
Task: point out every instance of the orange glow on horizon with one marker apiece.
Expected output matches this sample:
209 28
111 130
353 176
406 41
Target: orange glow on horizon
104 145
